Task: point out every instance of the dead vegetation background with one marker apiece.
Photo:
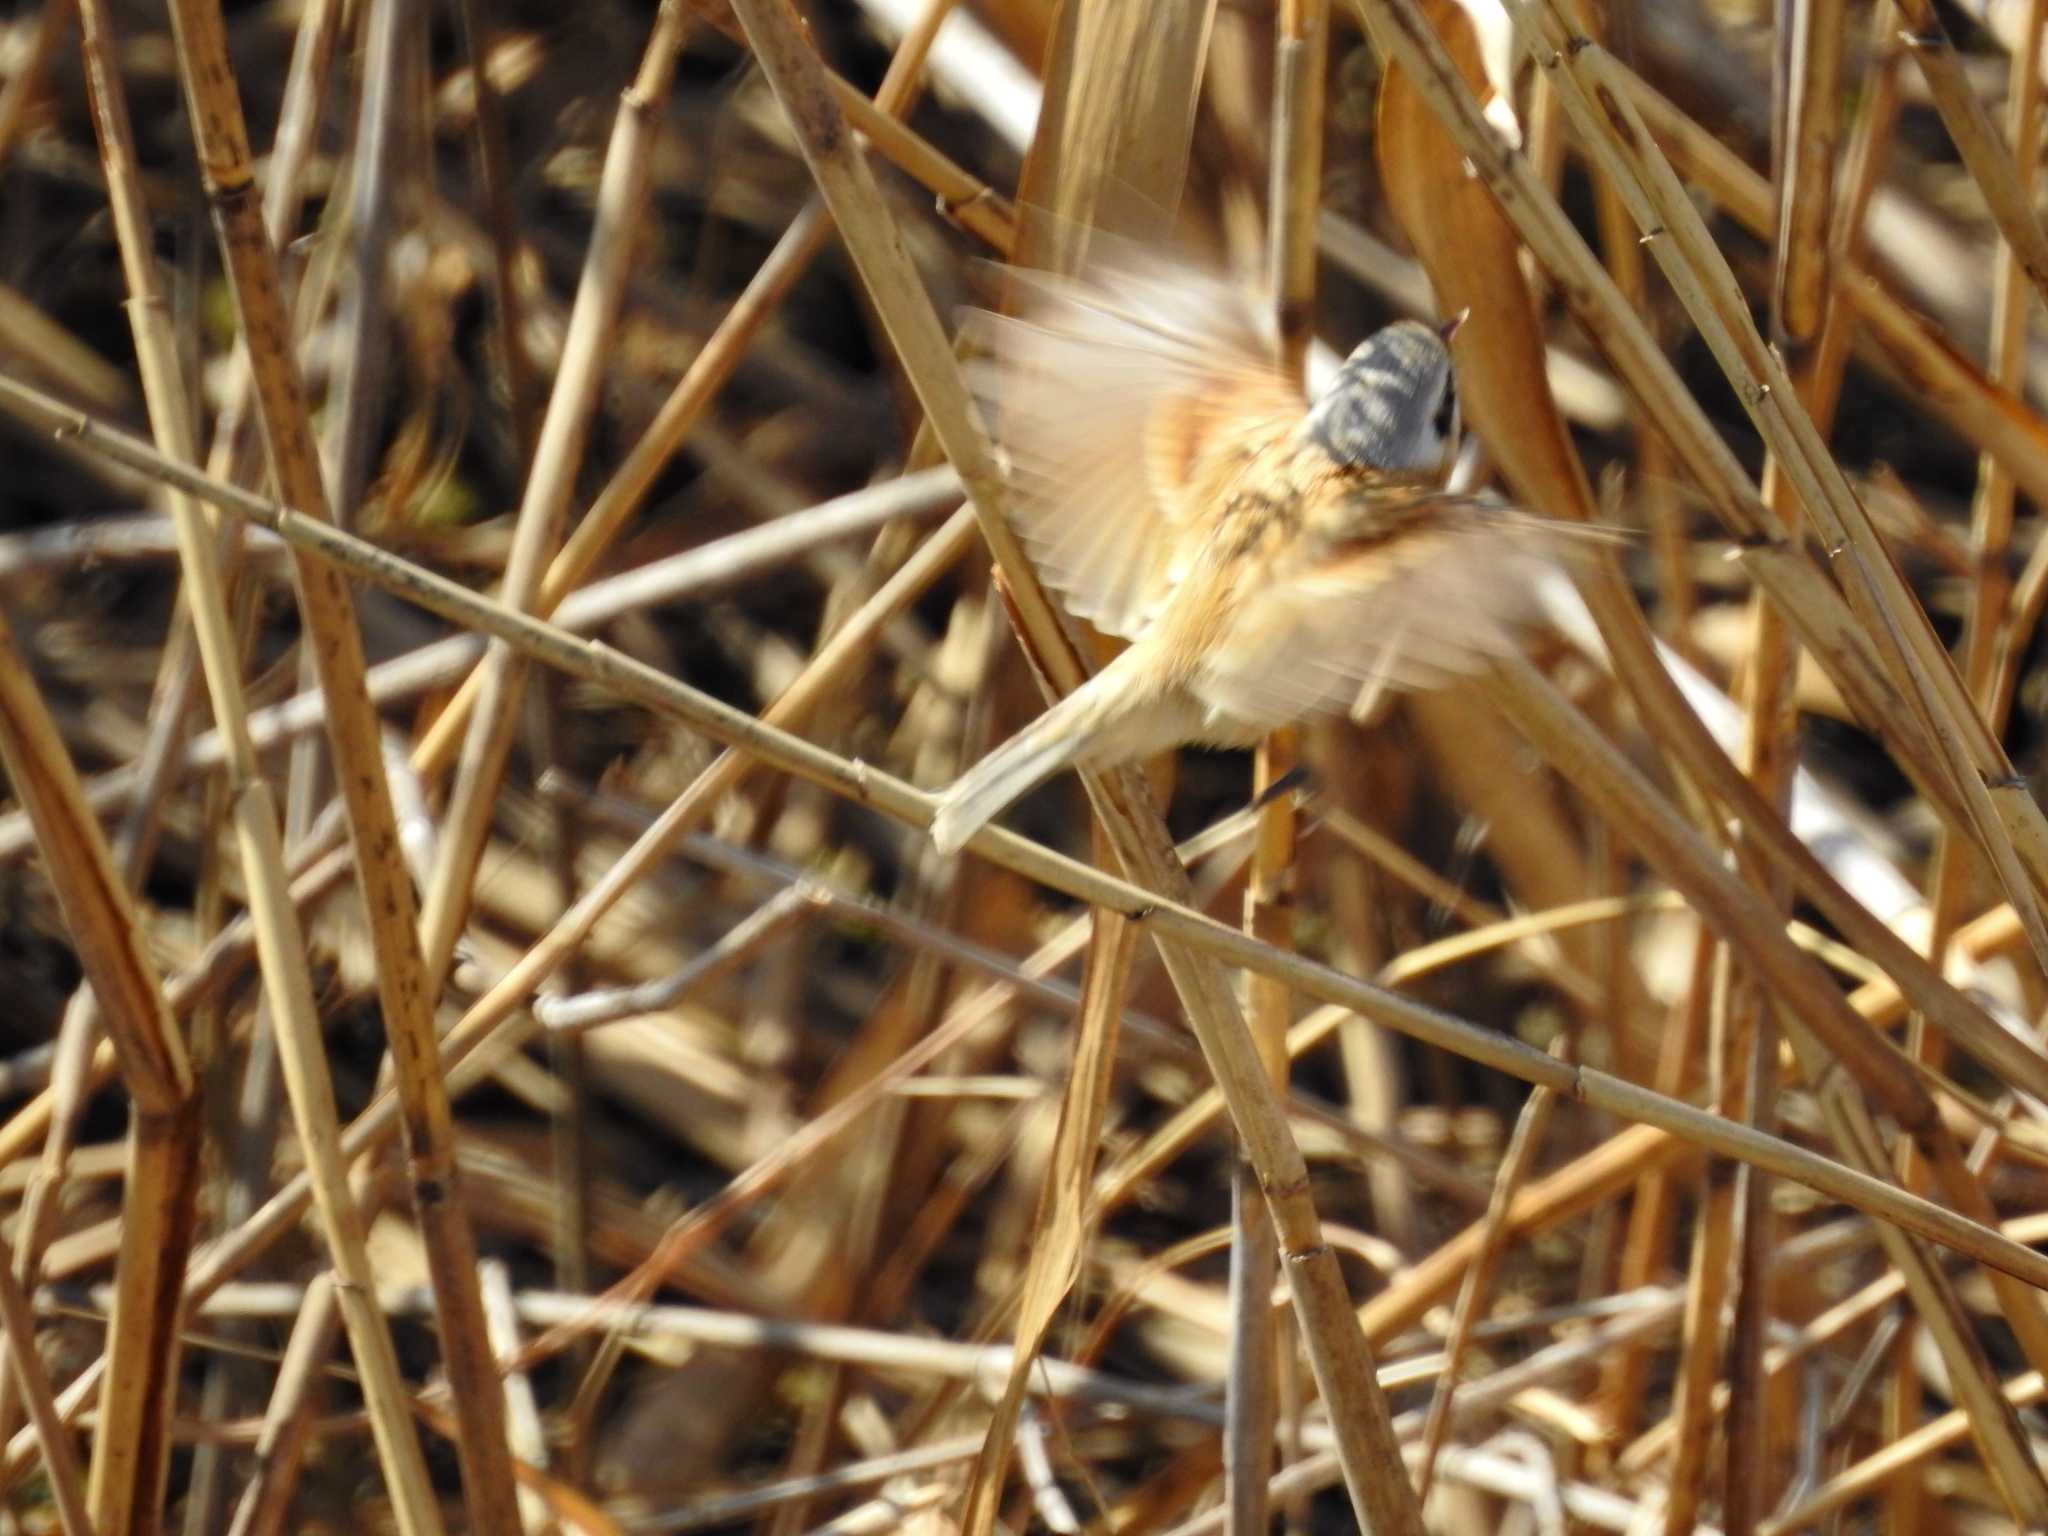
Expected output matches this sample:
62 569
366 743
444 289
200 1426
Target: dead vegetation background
550 1083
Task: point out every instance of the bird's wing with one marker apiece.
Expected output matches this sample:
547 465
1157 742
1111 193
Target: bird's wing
1115 398
1438 601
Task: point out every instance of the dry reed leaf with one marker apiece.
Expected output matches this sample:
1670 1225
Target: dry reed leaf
1474 261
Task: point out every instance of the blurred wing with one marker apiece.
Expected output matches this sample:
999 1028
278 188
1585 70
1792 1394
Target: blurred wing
1412 612
1115 399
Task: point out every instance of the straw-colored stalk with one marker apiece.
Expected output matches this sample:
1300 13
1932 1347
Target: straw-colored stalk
1985 154
1820 1027
1812 34
53 1436
132 1449
1252 1400
1476 1290
1110 151
328 610
288 1420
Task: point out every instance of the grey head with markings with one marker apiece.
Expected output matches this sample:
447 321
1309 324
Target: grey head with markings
1393 405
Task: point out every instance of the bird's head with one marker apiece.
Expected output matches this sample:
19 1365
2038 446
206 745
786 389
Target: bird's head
1393 406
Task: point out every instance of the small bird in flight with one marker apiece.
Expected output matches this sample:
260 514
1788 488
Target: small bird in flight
1269 557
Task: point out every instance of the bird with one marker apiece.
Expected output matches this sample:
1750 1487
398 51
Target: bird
1270 556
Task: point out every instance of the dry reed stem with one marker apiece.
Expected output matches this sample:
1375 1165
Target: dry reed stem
53 1436
176 690
1252 1391
178 679
2008 824
1252 1399
1301 51
1692 260
480 1026
1991 512
525 1435
1115 122
1652 1218
287 1421
702 570
1994 419
1894 1459
557 456
328 610
1828 1327
2008 832
1986 156
686 1236
1743 359
1745 1062
2022 1307
1991 531
128 1473
737 1329
1122 1181
284 190
1809 67
1592 846
1474 1290
130 1459
1820 1026
1064 1218
1707 1283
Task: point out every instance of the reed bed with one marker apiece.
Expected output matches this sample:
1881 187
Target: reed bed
500 551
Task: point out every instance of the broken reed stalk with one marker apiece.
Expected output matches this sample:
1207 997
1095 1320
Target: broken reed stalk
131 1456
1254 1384
1475 1293
288 1417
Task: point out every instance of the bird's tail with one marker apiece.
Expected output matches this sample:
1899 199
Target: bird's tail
1020 764
1057 738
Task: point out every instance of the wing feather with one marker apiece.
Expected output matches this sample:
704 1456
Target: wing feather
1110 396
1410 613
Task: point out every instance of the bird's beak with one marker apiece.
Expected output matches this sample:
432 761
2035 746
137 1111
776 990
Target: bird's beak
1450 327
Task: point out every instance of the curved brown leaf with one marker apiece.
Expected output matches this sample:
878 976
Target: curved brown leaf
1471 256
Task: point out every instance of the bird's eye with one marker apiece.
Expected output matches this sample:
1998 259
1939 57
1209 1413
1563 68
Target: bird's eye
1446 410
